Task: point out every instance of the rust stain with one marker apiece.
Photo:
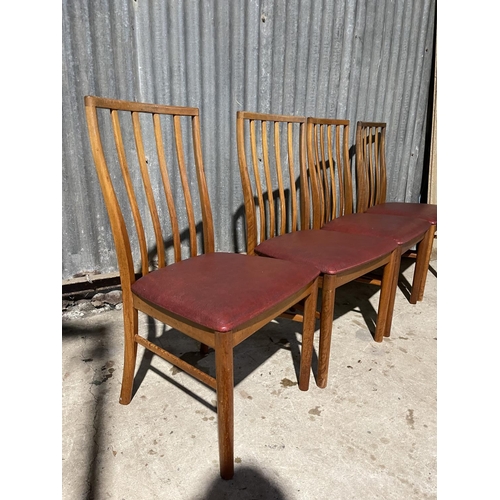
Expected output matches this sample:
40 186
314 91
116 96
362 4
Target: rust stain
409 418
244 394
287 383
315 411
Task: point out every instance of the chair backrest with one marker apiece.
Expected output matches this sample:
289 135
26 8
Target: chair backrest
371 175
329 168
135 146
271 155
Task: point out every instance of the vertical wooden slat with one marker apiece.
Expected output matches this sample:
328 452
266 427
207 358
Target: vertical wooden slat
340 164
279 176
376 160
311 171
258 186
291 170
333 163
206 210
304 184
141 156
324 171
269 184
185 185
371 167
122 159
250 215
366 165
361 182
383 171
167 188
348 191
319 173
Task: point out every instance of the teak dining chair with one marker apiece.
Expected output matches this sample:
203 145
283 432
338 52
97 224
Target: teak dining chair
271 155
216 298
329 165
371 181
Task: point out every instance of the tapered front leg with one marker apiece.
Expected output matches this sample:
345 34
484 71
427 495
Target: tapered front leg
326 325
225 402
308 329
388 296
424 251
130 325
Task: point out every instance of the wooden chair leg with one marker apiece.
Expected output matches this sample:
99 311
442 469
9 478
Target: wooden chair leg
308 329
424 249
388 296
225 402
432 230
326 325
131 326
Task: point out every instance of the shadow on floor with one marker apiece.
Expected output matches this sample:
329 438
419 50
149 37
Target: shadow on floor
248 483
95 356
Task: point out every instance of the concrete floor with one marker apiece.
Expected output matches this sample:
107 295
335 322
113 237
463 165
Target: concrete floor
371 434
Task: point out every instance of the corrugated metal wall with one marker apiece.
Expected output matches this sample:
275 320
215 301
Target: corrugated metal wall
360 60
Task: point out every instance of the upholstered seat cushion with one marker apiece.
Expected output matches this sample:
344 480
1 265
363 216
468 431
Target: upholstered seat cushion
223 290
424 211
331 252
401 229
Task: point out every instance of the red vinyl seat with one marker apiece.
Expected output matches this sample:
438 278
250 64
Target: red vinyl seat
222 291
426 211
403 230
331 252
